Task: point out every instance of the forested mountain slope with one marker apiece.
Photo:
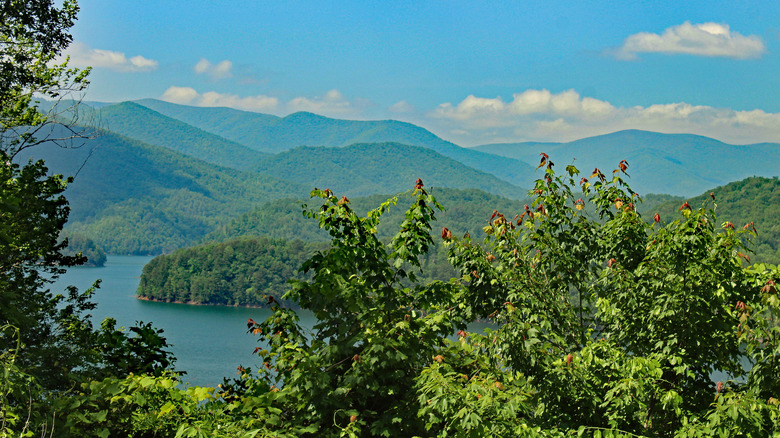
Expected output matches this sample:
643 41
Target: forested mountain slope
141 123
136 198
365 169
276 134
679 164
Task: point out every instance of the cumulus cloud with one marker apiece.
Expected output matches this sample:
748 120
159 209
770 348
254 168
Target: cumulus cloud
221 70
705 39
487 112
82 55
332 103
401 107
540 115
189 96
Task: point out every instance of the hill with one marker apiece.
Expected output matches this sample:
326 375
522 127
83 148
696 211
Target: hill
679 164
277 134
141 123
130 197
465 211
365 169
754 199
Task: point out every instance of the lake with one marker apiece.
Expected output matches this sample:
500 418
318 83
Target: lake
209 342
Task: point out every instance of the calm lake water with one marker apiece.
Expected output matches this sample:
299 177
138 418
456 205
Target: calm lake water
209 342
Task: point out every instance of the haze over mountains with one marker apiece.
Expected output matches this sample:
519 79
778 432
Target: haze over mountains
678 164
163 176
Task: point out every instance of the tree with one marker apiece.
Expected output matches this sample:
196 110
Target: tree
33 34
599 323
53 339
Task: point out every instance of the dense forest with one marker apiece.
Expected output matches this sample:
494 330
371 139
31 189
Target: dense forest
239 272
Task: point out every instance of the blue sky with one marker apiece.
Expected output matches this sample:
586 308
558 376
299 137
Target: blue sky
473 72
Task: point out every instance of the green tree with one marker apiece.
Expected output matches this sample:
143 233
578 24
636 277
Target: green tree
33 34
600 323
47 337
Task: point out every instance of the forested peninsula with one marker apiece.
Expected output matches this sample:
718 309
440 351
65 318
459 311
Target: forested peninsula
239 272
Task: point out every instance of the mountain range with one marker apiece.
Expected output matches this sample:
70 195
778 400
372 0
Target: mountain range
678 164
163 176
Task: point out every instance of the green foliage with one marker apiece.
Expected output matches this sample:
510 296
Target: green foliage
754 201
33 34
240 272
78 244
47 342
604 325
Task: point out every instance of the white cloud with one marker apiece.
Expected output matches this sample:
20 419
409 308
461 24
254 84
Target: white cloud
705 39
332 103
540 115
82 55
189 96
221 70
483 112
401 107
180 95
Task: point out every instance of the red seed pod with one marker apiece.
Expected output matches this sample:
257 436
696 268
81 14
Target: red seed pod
418 184
685 205
611 262
719 387
657 217
569 358
446 234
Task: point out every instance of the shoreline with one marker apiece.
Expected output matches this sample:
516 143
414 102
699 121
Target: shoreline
193 303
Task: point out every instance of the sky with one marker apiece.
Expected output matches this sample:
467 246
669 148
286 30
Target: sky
473 72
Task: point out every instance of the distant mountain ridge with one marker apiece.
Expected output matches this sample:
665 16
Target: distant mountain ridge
277 134
149 126
679 164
